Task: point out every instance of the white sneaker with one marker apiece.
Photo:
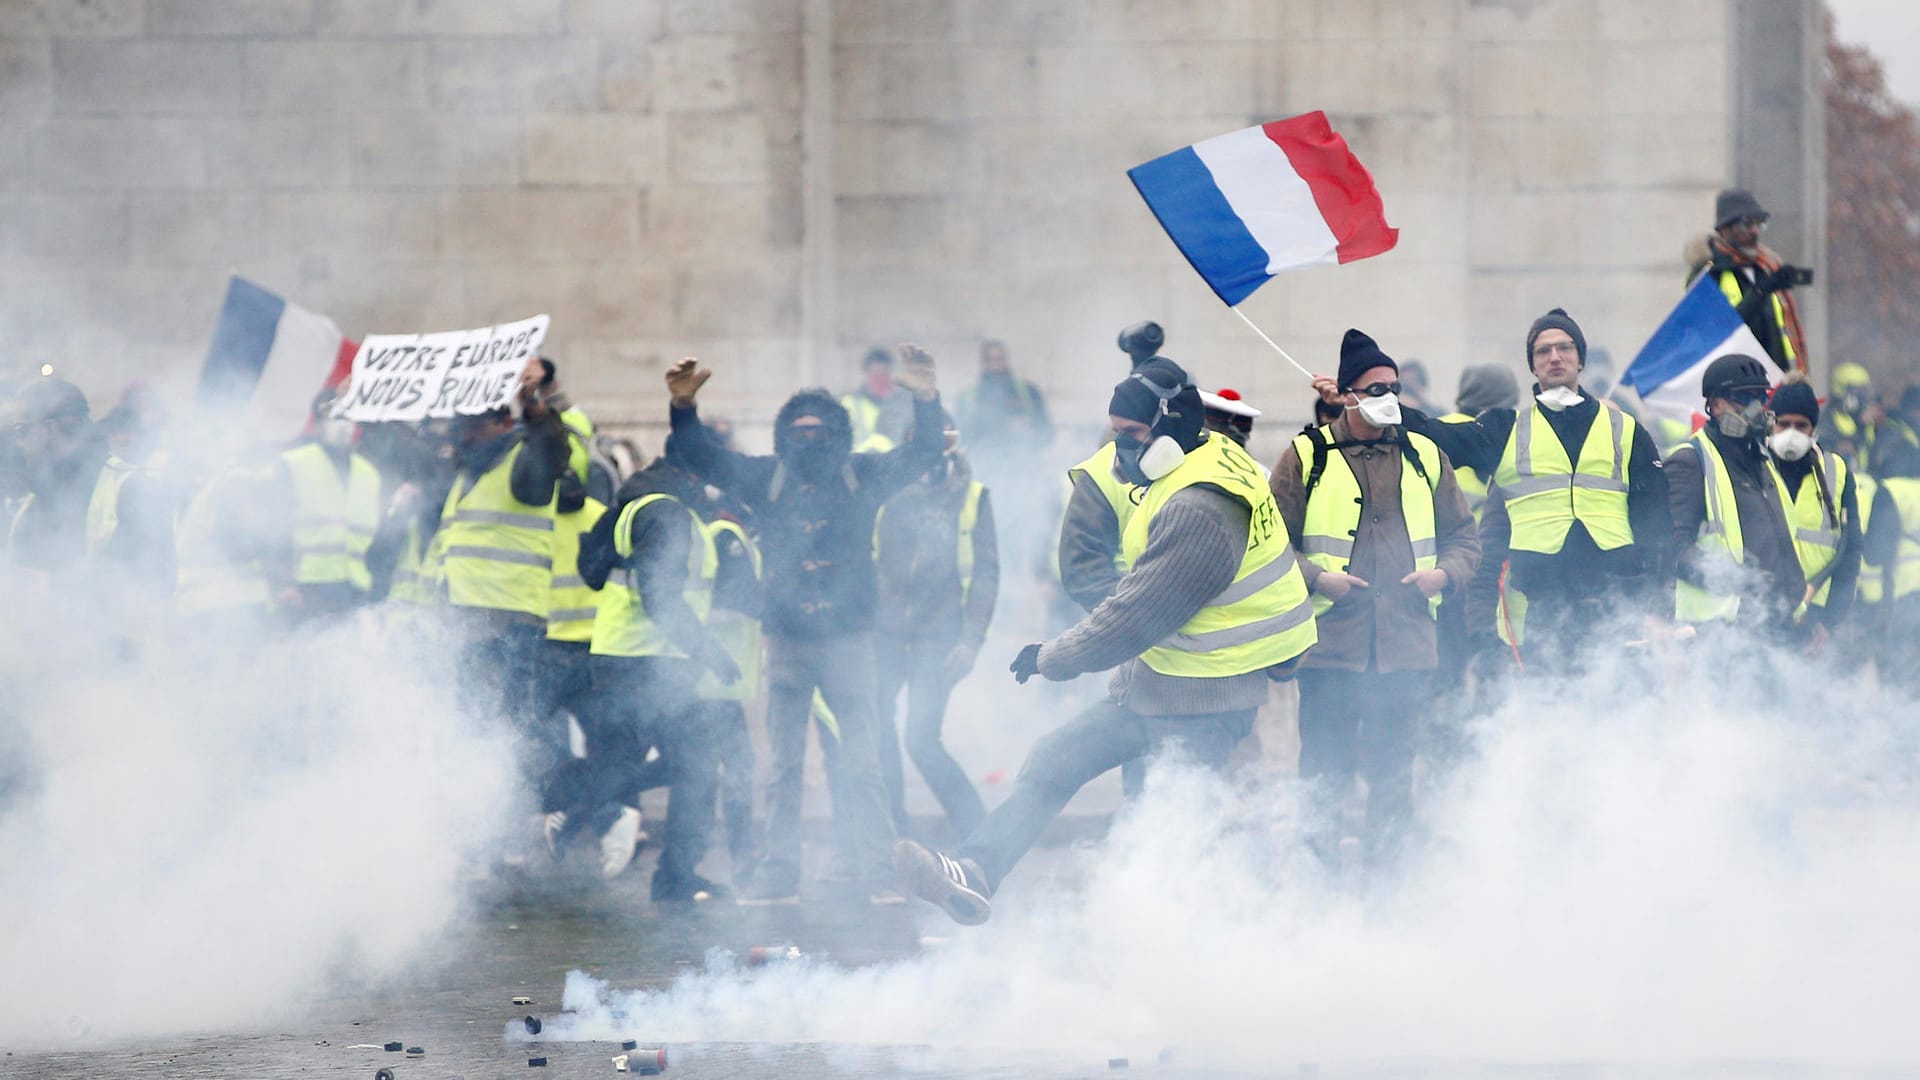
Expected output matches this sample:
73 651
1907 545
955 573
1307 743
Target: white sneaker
617 846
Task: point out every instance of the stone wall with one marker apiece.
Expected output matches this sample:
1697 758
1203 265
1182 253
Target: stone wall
642 170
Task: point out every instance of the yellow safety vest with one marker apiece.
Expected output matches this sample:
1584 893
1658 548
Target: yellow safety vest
571 605
737 632
579 431
621 626
864 412
207 579
1871 589
1546 493
1816 531
1472 484
1265 616
492 550
103 505
1905 491
1334 506
1733 287
333 524
969 521
411 584
1720 540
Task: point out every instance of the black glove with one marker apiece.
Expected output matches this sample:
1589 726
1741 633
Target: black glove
1027 664
1776 280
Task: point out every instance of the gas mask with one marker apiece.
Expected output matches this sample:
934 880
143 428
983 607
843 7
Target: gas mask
1141 463
1790 444
1746 422
1558 398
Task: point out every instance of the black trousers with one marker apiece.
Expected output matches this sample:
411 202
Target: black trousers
920 668
1360 723
638 704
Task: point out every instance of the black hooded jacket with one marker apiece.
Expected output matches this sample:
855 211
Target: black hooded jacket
815 519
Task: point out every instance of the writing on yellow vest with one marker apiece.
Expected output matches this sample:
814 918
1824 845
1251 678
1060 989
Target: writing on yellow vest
621 626
1265 616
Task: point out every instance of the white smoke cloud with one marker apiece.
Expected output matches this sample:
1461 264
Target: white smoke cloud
215 839
1646 866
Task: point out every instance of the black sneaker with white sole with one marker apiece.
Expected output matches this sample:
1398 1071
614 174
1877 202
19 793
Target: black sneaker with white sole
943 881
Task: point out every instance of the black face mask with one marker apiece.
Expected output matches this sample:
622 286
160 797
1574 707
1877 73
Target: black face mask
1126 459
814 459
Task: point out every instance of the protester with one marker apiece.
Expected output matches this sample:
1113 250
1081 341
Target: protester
1848 420
1752 277
815 502
1385 531
1229 415
939 572
330 506
880 416
584 458
734 622
1892 545
1098 508
1733 546
1823 509
1211 602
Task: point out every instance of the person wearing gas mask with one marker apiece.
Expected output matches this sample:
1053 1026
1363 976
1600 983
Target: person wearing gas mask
1211 606
331 504
1385 531
1576 519
1735 562
815 502
1098 508
653 563
1848 420
1823 508
939 565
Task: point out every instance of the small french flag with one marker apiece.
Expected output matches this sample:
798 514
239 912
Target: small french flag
1245 206
268 359
1701 328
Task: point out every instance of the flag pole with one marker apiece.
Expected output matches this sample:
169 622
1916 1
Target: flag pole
1270 341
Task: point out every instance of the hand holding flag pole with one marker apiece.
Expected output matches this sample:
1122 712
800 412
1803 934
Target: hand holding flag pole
1247 205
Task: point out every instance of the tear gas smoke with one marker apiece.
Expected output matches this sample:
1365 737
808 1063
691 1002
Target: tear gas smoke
1642 866
229 833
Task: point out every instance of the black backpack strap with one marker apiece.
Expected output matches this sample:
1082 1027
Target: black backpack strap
1412 454
1321 445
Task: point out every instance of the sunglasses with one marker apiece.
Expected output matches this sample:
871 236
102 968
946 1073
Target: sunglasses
1379 389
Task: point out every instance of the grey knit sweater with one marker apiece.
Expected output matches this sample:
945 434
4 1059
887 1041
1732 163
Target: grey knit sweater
1194 547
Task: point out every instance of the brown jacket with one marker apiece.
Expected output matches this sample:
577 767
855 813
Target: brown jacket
1386 627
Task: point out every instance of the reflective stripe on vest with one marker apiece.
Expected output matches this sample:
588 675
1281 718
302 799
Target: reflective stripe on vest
1905 492
333 524
737 632
1546 493
571 605
1816 533
494 551
1265 616
1721 546
208 579
621 626
1336 502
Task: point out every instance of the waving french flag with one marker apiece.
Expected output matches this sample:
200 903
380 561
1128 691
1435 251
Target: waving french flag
1245 206
1701 328
269 357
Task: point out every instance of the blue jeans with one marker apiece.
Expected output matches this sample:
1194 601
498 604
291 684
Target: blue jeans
1103 737
841 668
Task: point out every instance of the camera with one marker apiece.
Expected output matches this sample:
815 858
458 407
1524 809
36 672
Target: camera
1798 275
1142 340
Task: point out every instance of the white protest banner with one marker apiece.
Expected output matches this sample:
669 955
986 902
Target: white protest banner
447 373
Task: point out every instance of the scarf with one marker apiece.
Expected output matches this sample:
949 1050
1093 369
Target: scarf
1763 261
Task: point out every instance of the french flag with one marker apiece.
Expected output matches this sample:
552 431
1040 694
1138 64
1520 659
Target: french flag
1245 206
269 358
1666 374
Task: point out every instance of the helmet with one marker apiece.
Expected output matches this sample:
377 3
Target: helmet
1733 371
1848 376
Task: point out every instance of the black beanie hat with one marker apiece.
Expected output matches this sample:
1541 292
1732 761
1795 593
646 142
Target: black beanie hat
1134 399
1798 399
1557 319
1358 355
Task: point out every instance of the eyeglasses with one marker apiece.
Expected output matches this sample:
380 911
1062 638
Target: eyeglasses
1379 389
1565 348
1757 224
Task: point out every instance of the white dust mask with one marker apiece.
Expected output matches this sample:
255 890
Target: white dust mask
1382 411
1790 444
1559 397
